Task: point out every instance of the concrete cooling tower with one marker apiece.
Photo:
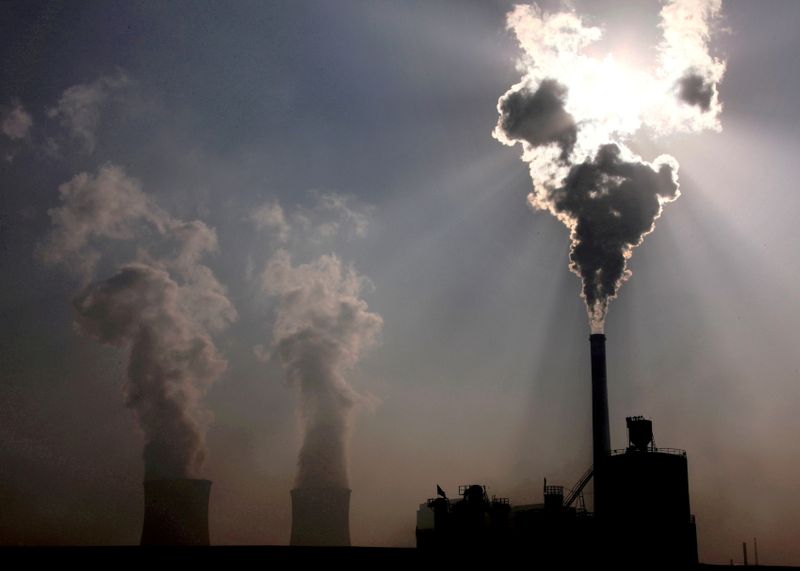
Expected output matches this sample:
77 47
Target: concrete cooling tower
176 512
321 517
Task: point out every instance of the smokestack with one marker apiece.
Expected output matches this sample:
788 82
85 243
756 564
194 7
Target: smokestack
176 512
601 439
321 517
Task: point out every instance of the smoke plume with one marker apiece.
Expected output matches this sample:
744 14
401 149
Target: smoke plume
322 328
16 122
572 114
162 308
78 109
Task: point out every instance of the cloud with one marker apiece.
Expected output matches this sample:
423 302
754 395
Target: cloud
321 331
16 122
79 108
162 307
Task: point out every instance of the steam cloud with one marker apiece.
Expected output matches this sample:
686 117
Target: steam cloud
322 329
572 114
16 122
161 308
78 109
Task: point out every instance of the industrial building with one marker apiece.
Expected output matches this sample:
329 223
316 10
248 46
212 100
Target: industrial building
640 515
641 512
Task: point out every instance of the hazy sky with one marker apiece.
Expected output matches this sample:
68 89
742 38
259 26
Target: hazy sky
220 110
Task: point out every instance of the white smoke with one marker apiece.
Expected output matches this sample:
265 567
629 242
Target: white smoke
331 216
322 329
108 205
161 308
16 122
79 108
572 113
270 219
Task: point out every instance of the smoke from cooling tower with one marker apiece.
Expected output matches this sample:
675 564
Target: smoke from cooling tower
162 308
322 328
572 114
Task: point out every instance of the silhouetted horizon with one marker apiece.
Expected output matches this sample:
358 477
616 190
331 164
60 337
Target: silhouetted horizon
359 247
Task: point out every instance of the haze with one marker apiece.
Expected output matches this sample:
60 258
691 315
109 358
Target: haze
369 124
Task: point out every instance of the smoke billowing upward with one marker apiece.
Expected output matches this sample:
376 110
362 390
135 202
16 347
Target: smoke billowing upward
15 122
162 308
694 90
538 117
572 114
322 328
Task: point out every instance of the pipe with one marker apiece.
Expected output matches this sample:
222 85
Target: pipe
176 512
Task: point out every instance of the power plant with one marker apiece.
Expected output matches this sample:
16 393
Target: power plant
641 512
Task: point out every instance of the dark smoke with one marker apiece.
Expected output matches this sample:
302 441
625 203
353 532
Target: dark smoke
572 113
614 204
695 90
539 117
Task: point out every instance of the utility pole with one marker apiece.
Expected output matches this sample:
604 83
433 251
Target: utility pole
744 552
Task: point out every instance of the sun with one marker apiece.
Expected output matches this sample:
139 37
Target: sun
607 98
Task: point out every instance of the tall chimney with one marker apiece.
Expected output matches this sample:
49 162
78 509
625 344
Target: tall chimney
601 439
321 516
176 512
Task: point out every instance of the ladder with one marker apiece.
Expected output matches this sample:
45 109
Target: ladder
578 488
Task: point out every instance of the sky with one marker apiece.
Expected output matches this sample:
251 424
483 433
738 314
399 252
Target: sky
259 145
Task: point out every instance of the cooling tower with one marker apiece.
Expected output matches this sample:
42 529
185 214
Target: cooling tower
176 512
601 438
321 516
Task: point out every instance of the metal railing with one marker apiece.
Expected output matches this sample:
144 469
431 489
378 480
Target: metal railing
578 488
675 451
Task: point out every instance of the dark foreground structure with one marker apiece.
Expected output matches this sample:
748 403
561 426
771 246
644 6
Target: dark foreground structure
176 512
257 556
641 506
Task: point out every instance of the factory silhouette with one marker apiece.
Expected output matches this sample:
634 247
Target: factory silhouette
641 503
641 513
